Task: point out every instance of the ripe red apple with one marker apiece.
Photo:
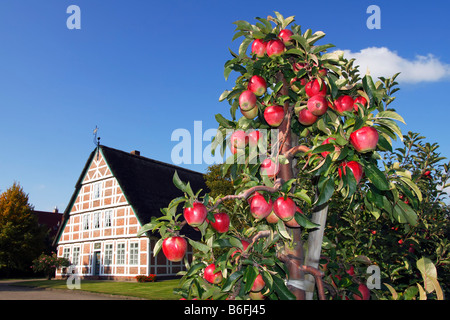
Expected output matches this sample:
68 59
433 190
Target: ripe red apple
293 223
285 36
306 118
238 140
343 103
247 100
298 66
274 115
195 215
275 47
250 114
270 168
314 87
259 207
364 139
258 284
174 248
365 292
272 217
327 141
284 208
253 137
317 105
259 47
222 223
361 100
354 166
257 85
212 277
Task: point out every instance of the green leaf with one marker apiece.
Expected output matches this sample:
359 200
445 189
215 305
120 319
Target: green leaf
244 45
249 277
224 122
429 275
194 269
326 190
281 290
199 246
157 247
282 230
375 175
389 115
178 183
302 194
231 280
304 221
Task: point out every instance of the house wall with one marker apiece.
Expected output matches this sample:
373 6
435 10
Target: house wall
99 237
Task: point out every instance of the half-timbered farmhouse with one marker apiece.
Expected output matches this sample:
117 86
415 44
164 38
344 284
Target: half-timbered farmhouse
116 193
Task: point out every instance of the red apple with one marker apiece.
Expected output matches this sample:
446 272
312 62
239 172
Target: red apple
250 114
327 141
256 296
238 140
270 168
253 137
364 139
258 284
293 223
284 208
222 223
272 217
259 47
361 100
257 85
275 47
354 166
285 35
298 66
306 118
314 87
195 215
259 207
343 103
174 248
317 105
365 292
274 115
247 100
212 277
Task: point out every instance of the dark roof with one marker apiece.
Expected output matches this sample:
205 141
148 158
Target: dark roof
146 183
50 219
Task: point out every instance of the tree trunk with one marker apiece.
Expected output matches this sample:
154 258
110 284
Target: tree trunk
294 255
315 240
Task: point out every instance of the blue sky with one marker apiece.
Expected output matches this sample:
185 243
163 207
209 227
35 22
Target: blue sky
141 69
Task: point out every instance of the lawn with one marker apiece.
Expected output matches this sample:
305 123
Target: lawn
160 290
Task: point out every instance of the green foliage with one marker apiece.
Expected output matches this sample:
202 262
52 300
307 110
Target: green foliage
21 239
48 264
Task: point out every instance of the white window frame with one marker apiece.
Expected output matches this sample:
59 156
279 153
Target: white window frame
121 253
108 257
96 190
86 218
134 253
96 222
108 218
76 255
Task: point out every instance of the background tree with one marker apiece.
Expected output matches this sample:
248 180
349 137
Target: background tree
21 238
312 131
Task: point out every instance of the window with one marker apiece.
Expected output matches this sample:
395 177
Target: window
134 253
86 221
96 220
76 256
66 253
97 190
108 254
121 253
108 216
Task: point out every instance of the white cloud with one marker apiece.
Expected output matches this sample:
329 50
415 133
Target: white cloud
384 62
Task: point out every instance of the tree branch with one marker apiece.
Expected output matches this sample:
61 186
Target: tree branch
245 194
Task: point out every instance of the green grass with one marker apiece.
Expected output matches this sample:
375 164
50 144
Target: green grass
160 290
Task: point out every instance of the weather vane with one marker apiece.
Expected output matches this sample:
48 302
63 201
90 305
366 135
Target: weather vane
96 140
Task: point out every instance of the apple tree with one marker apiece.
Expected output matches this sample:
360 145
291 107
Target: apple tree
304 130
